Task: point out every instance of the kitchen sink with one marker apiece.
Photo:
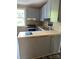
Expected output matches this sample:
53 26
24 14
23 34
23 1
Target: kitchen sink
33 28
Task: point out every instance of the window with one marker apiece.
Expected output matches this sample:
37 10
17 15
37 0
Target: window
20 17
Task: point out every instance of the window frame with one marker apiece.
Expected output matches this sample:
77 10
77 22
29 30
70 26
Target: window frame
24 15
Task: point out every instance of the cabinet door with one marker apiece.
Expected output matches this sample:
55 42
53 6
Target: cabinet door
48 9
45 10
54 10
34 47
55 44
39 46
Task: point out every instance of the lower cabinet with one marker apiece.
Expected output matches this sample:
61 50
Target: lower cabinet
37 46
34 47
55 44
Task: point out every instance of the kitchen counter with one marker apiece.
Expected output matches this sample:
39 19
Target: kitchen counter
38 43
38 33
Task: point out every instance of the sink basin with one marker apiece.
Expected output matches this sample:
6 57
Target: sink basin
34 29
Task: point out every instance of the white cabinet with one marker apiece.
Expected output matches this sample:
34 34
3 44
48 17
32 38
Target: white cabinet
45 10
54 10
34 47
37 46
55 44
50 10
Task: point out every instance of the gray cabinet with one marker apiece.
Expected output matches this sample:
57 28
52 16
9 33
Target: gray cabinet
54 10
50 10
34 47
38 46
45 10
55 44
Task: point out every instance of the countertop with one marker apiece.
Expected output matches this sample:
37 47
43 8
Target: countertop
43 32
39 33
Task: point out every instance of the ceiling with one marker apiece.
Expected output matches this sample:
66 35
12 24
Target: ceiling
32 3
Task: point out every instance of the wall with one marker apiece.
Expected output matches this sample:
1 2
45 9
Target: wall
30 11
33 13
57 26
20 29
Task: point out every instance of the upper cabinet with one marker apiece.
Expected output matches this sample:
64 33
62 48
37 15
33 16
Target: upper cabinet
50 10
45 10
54 10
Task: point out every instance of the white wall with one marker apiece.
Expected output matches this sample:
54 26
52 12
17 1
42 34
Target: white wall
33 12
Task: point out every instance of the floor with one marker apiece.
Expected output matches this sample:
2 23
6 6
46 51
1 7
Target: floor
52 56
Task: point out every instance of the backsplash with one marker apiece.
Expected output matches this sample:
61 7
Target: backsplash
34 22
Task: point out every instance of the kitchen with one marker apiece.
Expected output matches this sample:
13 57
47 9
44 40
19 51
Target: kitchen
39 28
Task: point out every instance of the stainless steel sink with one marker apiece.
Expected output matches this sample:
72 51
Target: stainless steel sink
33 28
